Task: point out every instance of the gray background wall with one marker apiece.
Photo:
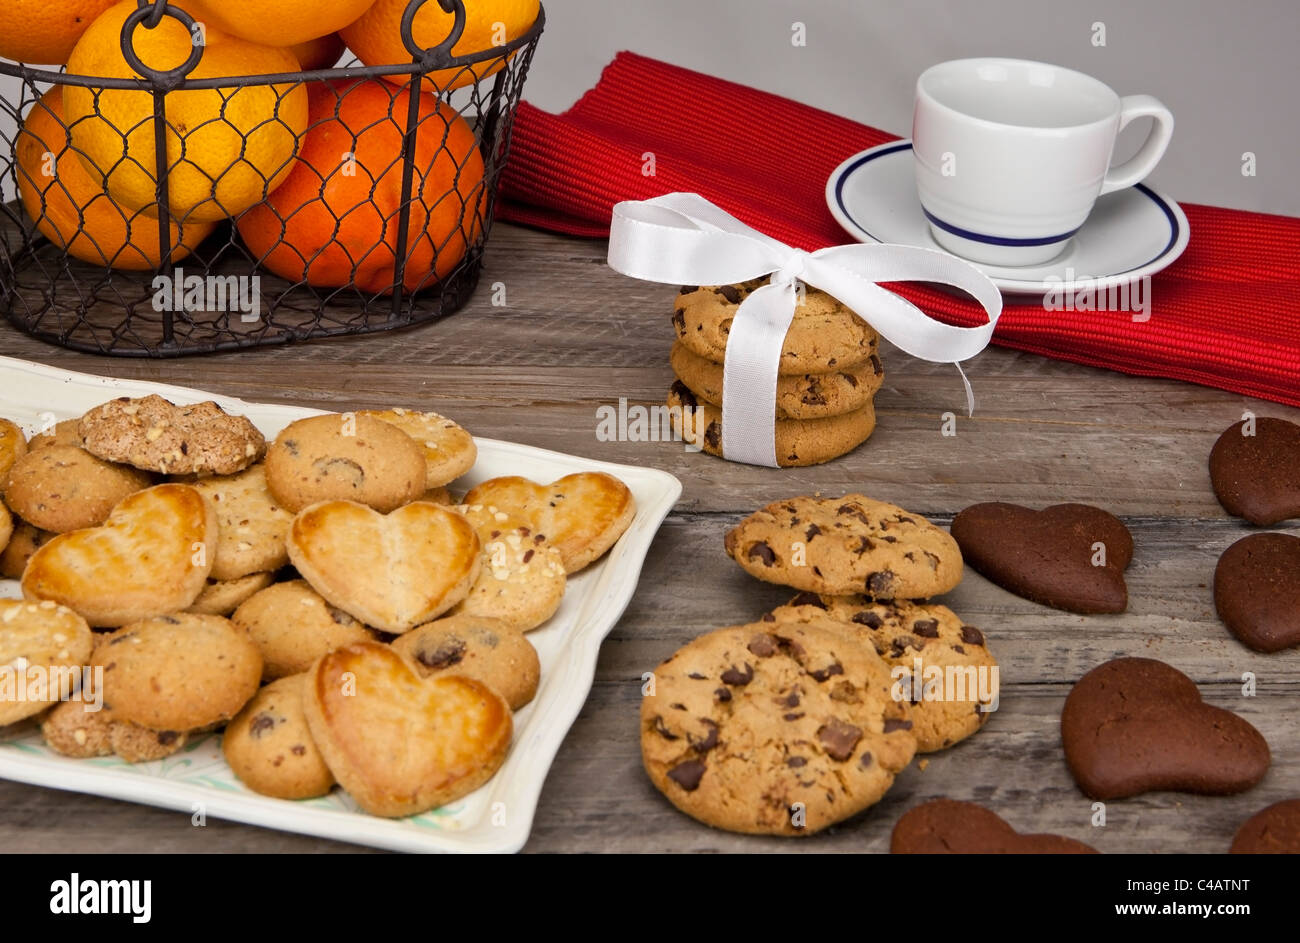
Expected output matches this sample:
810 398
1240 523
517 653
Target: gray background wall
1228 69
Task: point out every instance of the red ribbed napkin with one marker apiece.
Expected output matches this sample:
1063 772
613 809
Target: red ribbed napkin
1226 314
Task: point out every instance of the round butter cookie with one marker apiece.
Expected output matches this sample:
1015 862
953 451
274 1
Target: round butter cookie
269 746
798 396
250 524
43 647
222 597
23 542
345 457
66 432
292 626
824 335
483 649
13 446
6 527
62 488
178 672
449 451
772 728
799 442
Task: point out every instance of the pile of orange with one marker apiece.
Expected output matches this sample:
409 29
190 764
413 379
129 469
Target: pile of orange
310 172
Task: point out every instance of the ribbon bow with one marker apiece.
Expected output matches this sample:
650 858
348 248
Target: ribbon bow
682 238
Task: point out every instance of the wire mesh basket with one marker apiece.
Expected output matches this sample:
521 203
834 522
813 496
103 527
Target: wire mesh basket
166 213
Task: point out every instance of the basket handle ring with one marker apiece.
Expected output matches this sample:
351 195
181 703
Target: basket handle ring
436 55
150 15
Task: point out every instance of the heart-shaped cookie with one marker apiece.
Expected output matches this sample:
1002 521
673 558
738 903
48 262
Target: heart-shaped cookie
949 827
1067 556
400 744
1255 470
392 571
582 515
1271 831
151 557
1135 725
1257 591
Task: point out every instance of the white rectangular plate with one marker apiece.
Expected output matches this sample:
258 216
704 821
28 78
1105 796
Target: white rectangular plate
496 818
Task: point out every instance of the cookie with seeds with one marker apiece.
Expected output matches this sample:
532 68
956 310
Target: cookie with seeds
941 666
774 728
846 546
798 396
23 542
292 626
269 746
486 650
178 672
78 729
222 597
42 649
63 488
13 446
522 579
582 514
449 451
824 334
345 457
799 442
251 524
157 435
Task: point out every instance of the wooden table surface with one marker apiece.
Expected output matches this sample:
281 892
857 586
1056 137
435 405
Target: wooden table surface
574 336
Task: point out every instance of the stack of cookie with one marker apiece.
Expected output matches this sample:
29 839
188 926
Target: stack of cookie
387 626
805 717
829 374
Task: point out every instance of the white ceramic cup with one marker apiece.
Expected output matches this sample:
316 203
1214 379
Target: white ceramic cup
1011 155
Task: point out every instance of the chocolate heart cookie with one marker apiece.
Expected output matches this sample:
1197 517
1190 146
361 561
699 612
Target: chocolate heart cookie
1049 556
949 827
1258 476
1271 831
1135 725
1257 591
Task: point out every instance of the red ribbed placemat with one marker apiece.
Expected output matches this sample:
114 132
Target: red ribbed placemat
1226 314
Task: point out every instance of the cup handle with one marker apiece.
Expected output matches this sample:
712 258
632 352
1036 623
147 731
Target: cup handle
1144 161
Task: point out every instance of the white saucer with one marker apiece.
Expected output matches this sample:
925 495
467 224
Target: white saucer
1130 234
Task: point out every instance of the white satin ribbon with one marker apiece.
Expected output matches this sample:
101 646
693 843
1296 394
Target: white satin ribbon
682 238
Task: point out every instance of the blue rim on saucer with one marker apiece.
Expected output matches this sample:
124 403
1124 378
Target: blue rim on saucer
894 214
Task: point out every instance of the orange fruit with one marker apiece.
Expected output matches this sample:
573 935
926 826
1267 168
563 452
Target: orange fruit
226 147
334 221
277 22
323 52
43 32
70 207
376 38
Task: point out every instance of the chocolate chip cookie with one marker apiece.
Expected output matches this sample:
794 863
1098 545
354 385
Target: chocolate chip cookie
269 747
941 666
780 729
157 435
824 335
846 546
799 442
483 649
798 396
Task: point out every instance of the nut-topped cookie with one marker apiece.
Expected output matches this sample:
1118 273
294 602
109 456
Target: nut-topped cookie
846 546
774 728
522 579
157 435
798 396
345 457
942 666
824 334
